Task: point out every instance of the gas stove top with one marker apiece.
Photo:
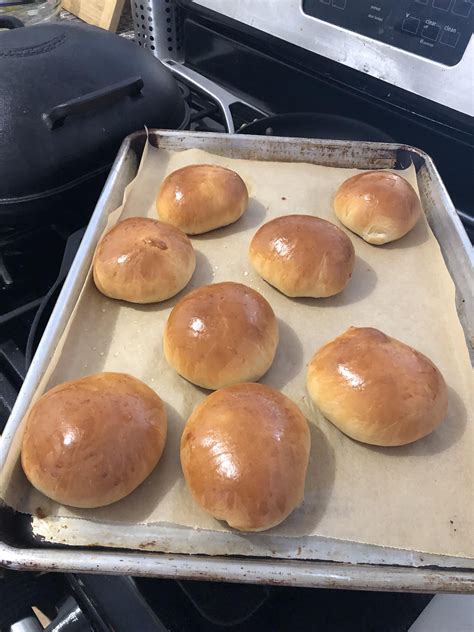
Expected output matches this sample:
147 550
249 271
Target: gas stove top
34 261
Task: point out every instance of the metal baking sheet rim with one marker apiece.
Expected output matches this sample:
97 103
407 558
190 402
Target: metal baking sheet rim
459 259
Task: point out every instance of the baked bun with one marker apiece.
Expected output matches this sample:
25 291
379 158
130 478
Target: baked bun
200 198
302 255
380 206
90 442
142 260
244 453
376 389
221 334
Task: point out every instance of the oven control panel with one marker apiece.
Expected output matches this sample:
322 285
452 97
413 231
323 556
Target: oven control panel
437 29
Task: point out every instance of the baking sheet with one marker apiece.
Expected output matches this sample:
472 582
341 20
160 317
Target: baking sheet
418 497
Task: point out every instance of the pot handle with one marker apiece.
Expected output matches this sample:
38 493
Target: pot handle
92 101
10 23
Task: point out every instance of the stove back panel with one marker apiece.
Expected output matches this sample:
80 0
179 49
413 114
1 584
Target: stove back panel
423 46
439 30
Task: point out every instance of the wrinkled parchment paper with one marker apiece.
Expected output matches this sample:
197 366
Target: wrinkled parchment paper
417 497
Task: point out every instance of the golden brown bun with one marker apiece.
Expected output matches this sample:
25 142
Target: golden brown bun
244 453
377 205
376 389
90 442
200 198
302 255
143 260
221 334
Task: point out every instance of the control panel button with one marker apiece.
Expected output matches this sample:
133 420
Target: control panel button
462 7
376 12
443 5
410 24
430 31
449 37
339 4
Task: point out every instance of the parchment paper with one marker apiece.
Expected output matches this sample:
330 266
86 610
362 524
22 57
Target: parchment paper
417 497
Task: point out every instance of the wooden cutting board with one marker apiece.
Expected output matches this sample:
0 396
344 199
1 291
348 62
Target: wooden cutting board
103 13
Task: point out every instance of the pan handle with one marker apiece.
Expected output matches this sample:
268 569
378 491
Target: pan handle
90 102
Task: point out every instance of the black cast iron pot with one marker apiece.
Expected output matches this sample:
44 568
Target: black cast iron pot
69 94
